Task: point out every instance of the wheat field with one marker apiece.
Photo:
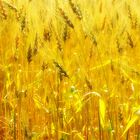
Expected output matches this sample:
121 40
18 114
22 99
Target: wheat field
69 69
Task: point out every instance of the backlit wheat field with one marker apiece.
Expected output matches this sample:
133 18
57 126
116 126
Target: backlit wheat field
69 69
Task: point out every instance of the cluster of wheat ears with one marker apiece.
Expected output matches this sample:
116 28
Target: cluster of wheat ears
69 70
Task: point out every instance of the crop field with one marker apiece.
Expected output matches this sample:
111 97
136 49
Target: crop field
69 69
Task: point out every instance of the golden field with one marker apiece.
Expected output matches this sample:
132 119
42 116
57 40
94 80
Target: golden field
69 70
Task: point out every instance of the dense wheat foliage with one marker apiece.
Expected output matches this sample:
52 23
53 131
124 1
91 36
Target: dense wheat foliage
69 69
